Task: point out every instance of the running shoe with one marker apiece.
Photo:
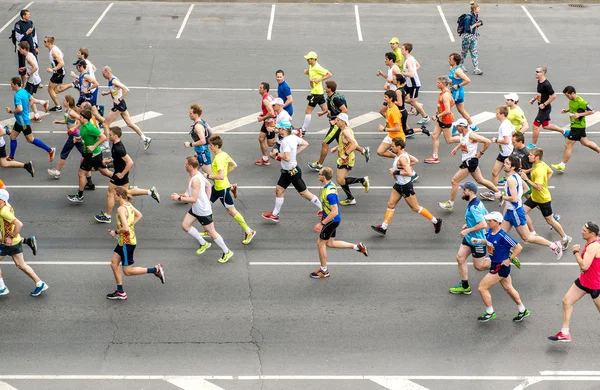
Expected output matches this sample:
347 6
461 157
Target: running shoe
46 103
7 129
103 218
362 248
303 130
203 248
412 111
558 167
423 120
319 274
521 315
487 317
379 229
425 131
29 168
32 243
366 153
347 202
260 161
204 234
454 130
89 186
564 338
248 237
432 160
516 262
478 72
414 177
160 273
487 195
234 189
437 226
75 198
36 119
39 290
117 296
474 128
566 242
226 256
4 291
460 289
410 136
531 146
315 166
51 154
56 109
558 250
366 183
446 205
154 194
502 181
147 143
270 216
566 133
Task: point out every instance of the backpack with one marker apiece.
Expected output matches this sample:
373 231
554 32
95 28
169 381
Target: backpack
460 28
334 109
13 38
207 130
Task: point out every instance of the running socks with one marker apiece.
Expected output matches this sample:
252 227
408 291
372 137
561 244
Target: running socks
424 212
489 309
40 144
389 214
307 119
465 283
120 288
278 204
221 243
347 190
316 202
13 148
521 308
194 233
151 270
239 218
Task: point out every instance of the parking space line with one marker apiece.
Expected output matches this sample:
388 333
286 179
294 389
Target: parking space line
439 7
14 17
187 16
358 30
99 20
535 24
271 22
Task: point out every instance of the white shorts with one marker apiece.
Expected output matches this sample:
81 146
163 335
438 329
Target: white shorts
387 140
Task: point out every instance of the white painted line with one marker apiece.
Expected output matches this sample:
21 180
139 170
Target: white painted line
271 187
358 30
311 133
6 386
11 121
270 31
99 20
18 15
483 117
193 384
69 262
138 118
535 24
246 120
570 373
358 121
392 263
187 16
528 382
398 384
439 7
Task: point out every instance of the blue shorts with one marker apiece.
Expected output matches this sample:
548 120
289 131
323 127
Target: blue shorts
126 254
203 155
458 95
502 270
516 217
223 195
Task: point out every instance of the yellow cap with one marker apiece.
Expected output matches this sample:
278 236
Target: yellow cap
394 40
311 55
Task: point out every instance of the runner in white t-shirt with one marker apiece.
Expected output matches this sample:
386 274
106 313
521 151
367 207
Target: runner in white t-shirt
504 141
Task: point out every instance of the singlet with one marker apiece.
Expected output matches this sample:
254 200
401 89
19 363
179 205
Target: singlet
591 277
506 129
329 197
455 80
196 137
70 122
400 179
446 119
87 85
519 203
342 150
53 62
202 205
262 106
127 238
35 78
468 148
413 81
115 92
391 76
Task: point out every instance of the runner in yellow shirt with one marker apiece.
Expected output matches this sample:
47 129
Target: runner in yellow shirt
316 75
516 116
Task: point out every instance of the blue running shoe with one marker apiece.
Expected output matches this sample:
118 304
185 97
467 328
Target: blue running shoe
454 131
474 128
39 290
531 146
502 181
566 133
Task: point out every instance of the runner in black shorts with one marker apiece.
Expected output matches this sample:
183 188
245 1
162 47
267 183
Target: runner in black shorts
545 96
202 219
400 82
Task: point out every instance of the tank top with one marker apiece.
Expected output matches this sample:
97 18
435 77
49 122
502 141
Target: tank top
454 80
115 92
70 122
400 179
127 238
342 150
468 148
53 62
196 138
591 277
87 84
262 106
391 76
201 206
446 119
413 81
35 78
519 202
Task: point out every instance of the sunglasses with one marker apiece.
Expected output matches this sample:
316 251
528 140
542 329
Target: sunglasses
539 71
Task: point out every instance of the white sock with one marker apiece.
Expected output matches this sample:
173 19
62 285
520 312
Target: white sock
521 308
39 284
451 202
143 138
194 233
221 243
384 225
324 269
315 200
564 331
355 247
149 192
565 238
2 285
533 233
489 309
278 204
307 119
434 220
553 246
265 158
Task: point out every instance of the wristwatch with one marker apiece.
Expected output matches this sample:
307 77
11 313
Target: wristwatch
575 252
179 199
323 223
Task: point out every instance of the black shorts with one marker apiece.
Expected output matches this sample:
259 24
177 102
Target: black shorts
315 100
471 164
542 118
57 78
120 182
31 88
412 92
593 293
405 190
287 178
18 128
11 250
203 219
3 151
501 158
477 252
90 162
332 135
328 231
443 125
121 107
270 134
344 166
545 208
577 134
223 195
90 99
502 270
126 254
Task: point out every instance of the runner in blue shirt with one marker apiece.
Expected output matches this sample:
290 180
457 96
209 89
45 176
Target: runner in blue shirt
284 92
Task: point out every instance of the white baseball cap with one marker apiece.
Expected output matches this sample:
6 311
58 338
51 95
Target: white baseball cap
461 122
4 195
343 116
512 96
277 101
493 216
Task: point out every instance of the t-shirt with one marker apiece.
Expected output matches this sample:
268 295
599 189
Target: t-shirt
316 71
578 105
545 90
89 137
282 116
505 130
523 155
539 175
516 116
7 218
393 118
21 98
334 104
290 144
499 245
283 91
118 153
329 197
221 162
473 215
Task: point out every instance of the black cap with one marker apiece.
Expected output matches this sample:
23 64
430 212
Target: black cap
592 227
81 63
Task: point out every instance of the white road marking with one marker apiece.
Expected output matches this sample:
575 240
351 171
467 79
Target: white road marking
358 121
390 263
11 121
527 382
483 117
310 133
398 384
187 16
590 121
6 386
99 20
52 187
270 31
14 17
191 383
535 24
144 116
358 29
570 373
445 23
243 121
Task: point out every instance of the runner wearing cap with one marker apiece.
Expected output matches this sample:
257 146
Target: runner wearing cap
505 146
282 118
403 175
346 157
284 92
316 75
503 250
459 80
12 244
516 116
468 141
266 136
395 46
588 281
199 132
474 228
